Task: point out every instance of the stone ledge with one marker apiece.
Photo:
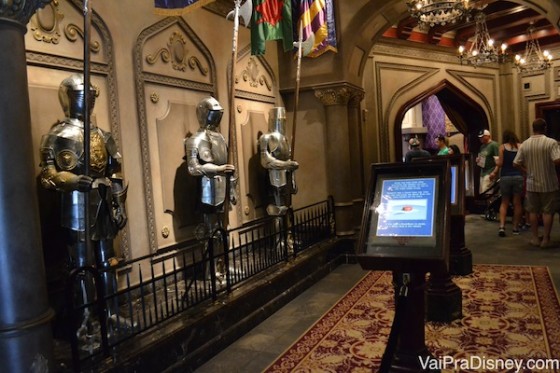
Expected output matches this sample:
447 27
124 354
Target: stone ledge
187 341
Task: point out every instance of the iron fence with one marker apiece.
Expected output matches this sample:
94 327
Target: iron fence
155 288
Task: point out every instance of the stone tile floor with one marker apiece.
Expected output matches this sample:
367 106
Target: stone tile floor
262 345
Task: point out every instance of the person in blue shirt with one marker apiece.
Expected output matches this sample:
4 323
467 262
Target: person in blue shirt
415 151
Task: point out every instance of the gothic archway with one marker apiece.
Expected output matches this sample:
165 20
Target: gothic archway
465 113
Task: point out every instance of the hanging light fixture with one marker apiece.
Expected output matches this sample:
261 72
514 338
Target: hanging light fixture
483 49
437 12
534 59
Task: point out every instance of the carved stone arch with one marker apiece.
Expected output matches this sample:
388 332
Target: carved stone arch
54 48
173 70
468 116
256 91
254 78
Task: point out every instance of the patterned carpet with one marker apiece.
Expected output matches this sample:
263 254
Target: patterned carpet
511 315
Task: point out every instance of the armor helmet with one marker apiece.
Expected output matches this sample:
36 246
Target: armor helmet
209 112
277 119
71 96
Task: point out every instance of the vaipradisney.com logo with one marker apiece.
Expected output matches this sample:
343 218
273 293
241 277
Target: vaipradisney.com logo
479 363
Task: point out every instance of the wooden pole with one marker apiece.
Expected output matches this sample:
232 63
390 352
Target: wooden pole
231 129
296 96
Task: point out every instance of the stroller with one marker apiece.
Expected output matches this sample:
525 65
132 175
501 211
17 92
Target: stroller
493 199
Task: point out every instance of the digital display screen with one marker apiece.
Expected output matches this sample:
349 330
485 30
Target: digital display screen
405 224
469 182
403 207
454 184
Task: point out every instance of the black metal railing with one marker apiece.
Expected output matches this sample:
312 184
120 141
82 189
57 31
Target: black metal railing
155 288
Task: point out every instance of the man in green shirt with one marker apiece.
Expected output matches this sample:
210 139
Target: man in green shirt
441 145
486 159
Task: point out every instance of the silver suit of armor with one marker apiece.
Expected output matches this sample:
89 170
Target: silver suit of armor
63 170
276 158
207 155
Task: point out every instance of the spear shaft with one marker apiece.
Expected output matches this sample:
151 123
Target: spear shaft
87 93
86 117
231 129
296 97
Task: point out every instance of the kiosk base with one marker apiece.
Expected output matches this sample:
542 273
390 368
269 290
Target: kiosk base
406 350
460 262
444 298
460 258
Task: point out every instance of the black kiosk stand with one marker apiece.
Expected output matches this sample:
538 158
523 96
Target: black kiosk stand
405 229
444 297
460 257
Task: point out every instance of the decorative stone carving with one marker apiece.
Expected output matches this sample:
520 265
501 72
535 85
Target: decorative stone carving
20 10
45 23
334 95
251 75
356 97
177 53
72 31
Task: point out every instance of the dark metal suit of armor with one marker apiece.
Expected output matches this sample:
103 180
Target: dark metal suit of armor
62 163
275 157
206 154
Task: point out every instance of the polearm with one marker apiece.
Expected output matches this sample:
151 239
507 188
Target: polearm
300 45
246 14
87 157
231 129
86 114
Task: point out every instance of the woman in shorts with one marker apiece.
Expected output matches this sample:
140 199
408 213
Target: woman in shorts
511 182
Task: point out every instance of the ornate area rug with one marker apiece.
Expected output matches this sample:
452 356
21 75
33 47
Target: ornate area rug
511 315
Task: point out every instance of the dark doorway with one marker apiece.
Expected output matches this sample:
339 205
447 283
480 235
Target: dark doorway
550 111
465 114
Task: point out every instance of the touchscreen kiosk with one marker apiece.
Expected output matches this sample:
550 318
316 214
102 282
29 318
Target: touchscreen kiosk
457 168
469 175
406 213
457 177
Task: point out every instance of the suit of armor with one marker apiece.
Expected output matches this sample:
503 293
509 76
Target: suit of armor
275 157
63 170
206 154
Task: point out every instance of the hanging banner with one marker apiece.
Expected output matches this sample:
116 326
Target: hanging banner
178 7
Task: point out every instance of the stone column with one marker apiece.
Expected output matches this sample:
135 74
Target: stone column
335 98
356 154
25 331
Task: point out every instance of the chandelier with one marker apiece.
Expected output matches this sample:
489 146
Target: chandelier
534 59
437 12
483 49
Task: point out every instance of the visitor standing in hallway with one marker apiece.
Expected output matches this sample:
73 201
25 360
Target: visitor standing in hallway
511 181
537 157
486 159
415 151
442 145
454 150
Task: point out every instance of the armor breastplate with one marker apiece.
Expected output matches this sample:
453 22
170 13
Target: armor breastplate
278 146
279 149
66 142
98 154
212 148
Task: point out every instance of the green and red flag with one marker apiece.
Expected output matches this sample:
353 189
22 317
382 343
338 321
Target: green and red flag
272 20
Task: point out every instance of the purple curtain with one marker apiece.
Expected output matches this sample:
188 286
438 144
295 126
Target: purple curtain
433 118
